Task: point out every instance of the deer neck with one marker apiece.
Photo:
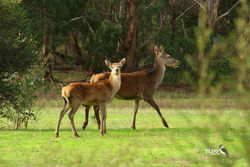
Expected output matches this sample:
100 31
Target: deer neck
115 81
158 72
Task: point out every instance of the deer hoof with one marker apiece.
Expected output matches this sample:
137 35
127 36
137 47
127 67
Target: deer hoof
56 134
133 127
84 126
165 124
76 135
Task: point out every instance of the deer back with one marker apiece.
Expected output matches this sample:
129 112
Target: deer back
134 85
89 93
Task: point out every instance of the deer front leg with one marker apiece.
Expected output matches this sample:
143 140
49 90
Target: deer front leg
105 113
103 119
62 113
135 112
155 106
96 109
71 117
86 117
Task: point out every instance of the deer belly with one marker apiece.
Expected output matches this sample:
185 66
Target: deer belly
128 93
132 97
90 103
93 101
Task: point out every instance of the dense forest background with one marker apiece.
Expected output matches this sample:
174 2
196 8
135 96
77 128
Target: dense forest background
39 36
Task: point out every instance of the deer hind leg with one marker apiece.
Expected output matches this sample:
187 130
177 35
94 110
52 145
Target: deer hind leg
135 112
61 115
96 109
72 112
155 106
103 117
86 117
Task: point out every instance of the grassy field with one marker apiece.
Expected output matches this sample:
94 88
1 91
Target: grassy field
195 125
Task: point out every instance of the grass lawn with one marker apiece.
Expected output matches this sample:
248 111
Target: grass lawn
192 130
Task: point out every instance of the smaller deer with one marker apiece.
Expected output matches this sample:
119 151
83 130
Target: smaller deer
91 94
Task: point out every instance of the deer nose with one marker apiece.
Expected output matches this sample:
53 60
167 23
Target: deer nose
117 70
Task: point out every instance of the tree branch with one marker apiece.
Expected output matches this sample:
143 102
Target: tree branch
150 4
116 20
227 12
77 18
183 27
150 38
90 28
184 11
200 5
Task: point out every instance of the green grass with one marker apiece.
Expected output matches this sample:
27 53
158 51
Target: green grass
69 75
193 129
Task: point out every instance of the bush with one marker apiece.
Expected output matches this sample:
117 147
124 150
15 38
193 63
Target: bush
18 95
19 71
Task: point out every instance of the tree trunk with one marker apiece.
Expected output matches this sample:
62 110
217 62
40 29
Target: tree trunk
77 49
131 37
174 14
212 12
48 77
17 121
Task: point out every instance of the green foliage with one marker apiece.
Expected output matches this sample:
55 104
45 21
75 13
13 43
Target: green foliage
156 18
18 92
101 30
19 71
98 33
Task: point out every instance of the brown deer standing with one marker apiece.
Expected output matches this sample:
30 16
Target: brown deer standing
91 94
139 85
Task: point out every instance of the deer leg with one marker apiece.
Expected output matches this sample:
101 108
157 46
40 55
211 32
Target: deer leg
86 117
135 112
155 106
71 117
96 109
61 115
103 117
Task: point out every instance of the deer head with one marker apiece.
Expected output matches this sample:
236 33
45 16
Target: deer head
115 67
165 58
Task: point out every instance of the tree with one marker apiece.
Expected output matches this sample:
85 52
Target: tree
212 12
18 78
131 37
77 49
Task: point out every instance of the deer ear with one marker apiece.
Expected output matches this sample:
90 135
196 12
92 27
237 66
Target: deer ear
162 49
123 61
107 63
156 50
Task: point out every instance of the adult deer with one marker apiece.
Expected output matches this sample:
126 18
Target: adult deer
140 85
91 94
